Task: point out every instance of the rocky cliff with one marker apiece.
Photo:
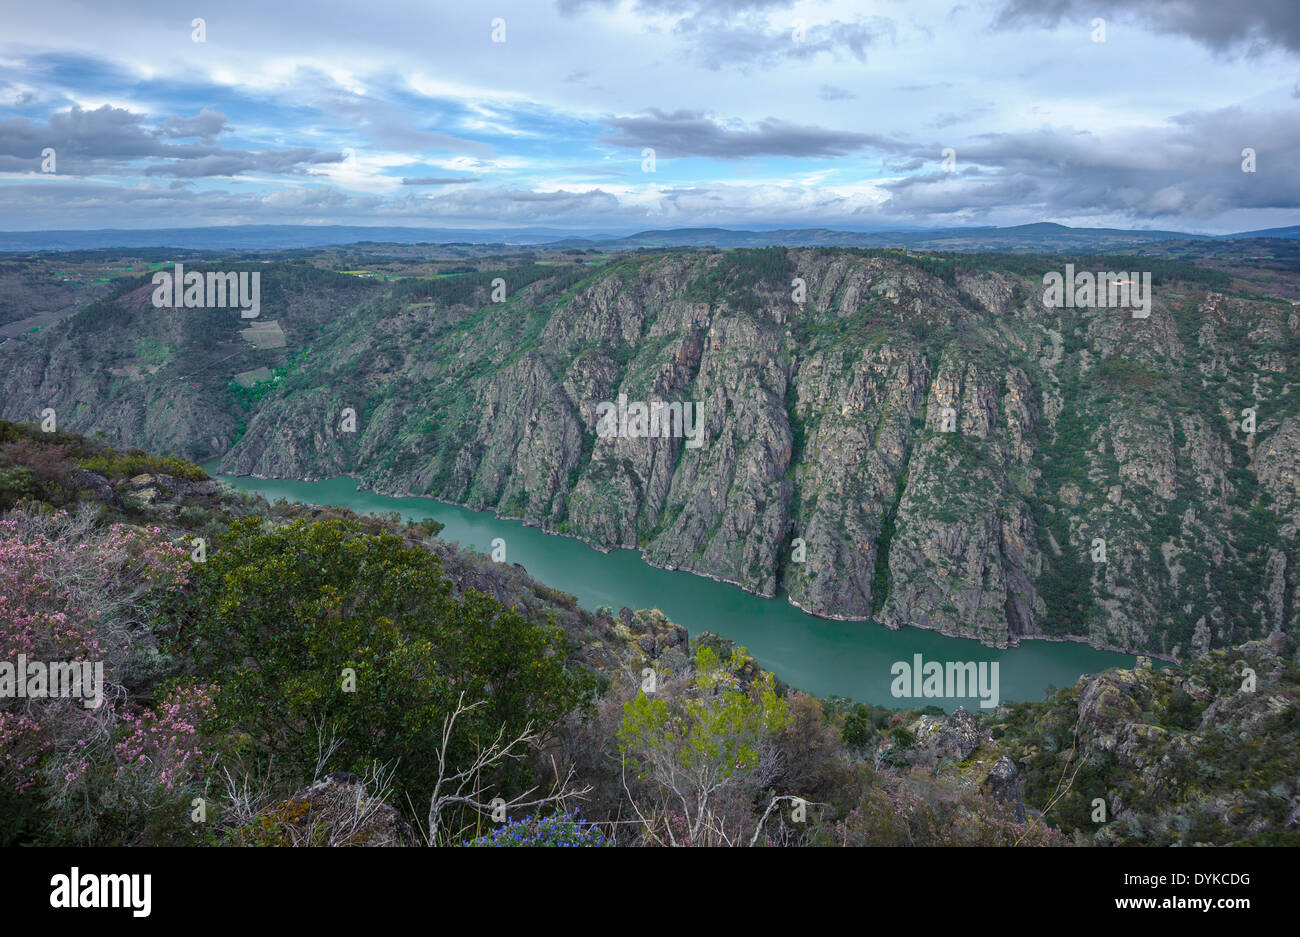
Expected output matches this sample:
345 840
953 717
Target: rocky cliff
919 441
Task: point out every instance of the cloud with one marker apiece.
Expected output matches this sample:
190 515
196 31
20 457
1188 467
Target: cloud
441 180
550 126
106 140
719 8
236 162
950 120
205 125
595 171
834 93
105 133
690 133
1252 24
747 43
744 33
393 125
1188 168
75 203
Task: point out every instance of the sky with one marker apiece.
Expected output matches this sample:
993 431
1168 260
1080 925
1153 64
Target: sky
612 116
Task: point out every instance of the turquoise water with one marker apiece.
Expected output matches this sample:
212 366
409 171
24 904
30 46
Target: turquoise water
842 658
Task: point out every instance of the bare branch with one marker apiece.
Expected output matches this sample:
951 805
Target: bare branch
458 785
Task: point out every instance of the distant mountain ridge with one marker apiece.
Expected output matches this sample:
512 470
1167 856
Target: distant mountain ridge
264 237
1040 236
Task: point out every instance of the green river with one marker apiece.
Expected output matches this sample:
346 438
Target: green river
841 658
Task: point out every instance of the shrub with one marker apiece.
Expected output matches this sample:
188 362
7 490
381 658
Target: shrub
902 737
72 591
859 730
696 747
320 623
111 465
916 810
17 484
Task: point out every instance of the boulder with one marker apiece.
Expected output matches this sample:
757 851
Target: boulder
957 737
98 485
338 810
1003 783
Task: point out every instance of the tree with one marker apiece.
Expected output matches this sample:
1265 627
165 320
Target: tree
322 622
693 747
859 730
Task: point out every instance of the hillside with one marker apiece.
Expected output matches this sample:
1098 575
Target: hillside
823 422
103 542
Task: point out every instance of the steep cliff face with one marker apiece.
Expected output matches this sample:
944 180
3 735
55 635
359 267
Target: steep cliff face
916 440
161 378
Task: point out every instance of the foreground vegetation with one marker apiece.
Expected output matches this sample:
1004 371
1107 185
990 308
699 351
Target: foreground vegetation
291 675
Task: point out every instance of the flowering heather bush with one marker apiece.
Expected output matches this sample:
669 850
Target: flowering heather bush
561 829
72 590
166 738
137 790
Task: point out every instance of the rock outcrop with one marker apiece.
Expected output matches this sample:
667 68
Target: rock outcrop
1003 783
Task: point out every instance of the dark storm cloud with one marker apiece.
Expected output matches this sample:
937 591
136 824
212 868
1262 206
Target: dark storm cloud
1253 24
690 133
